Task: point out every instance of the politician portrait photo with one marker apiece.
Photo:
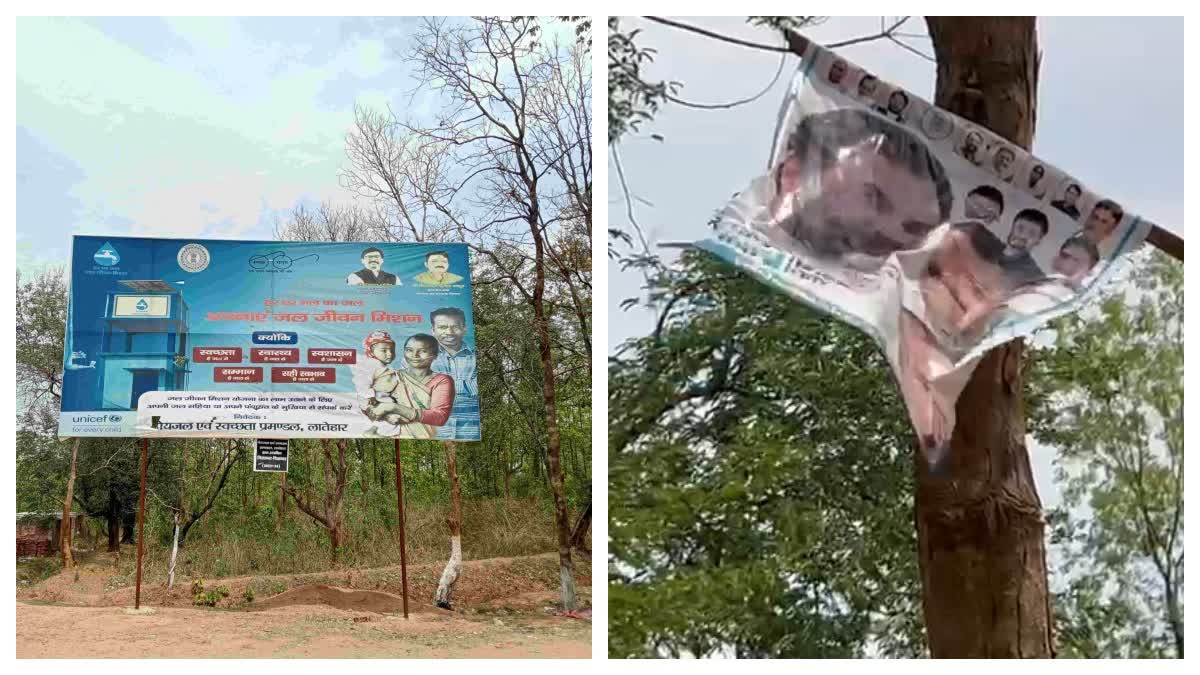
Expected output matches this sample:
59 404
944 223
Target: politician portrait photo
437 271
372 273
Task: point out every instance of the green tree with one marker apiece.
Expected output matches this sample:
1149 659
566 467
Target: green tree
760 481
1108 395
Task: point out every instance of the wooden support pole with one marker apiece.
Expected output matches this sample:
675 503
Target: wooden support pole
400 510
137 595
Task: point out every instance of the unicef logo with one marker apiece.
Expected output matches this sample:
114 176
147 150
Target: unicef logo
106 256
193 258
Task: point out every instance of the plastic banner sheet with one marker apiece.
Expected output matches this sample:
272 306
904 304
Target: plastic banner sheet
191 337
935 236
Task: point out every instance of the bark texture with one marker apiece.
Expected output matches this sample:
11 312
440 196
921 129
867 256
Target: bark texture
553 441
65 526
980 531
453 568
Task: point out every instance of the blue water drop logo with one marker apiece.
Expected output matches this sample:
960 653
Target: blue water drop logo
142 305
107 255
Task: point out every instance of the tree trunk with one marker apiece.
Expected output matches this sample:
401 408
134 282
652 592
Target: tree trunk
579 534
64 528
335 543
128 525
1175 618
980 531
507 472
174 553
553 443
454 565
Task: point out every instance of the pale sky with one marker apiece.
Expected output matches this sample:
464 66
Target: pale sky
192 127
186 127
1110 111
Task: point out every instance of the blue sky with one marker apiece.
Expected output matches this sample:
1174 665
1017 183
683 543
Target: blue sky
1110 111
206 127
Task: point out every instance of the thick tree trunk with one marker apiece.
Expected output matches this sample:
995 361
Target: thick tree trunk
980 531
335 544
64 529
454 565
553 451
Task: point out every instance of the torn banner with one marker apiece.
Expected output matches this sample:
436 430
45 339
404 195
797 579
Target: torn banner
936 237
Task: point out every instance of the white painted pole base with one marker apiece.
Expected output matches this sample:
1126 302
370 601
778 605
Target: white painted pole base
174 553
568 588
450 574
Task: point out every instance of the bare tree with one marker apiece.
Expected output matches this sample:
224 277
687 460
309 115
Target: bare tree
399 179
328 222
326 510
515 127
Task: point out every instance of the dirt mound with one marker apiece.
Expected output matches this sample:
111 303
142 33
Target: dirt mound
528 580
339 598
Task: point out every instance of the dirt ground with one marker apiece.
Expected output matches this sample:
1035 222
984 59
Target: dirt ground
504 608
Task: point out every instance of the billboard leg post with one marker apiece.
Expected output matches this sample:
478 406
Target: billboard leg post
137 596
400 510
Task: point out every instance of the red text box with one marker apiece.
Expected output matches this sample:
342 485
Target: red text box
304 375
217 354
274 355
332 356
237 374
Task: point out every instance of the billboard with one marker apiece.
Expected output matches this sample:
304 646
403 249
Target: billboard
933 235
192 337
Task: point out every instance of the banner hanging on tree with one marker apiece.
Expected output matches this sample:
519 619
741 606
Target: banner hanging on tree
188 337
933 235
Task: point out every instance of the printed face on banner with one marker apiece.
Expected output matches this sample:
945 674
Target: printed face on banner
269 339
854 188
917 230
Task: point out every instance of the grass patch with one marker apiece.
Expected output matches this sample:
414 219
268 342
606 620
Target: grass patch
35 570
234 545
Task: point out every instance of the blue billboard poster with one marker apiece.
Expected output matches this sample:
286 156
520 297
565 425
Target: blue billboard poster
188 337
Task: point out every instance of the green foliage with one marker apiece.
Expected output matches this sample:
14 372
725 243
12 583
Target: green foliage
41 317
1109 396
782 23
631 100
248 594
202 598
760 481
